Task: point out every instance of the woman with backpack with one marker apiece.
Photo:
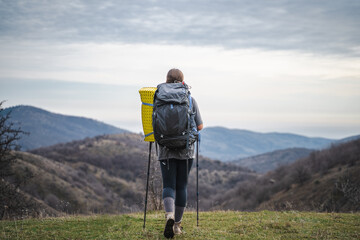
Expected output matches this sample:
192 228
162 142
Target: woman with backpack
175 161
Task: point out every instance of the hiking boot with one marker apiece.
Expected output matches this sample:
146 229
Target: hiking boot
177 228
169 231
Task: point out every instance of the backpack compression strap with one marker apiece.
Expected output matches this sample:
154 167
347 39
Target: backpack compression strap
149 134
148 104
189 119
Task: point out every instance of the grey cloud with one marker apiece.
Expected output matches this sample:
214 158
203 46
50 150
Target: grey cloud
309 25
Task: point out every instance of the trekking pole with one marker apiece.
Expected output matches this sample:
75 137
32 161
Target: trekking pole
147 99
147 184
197 182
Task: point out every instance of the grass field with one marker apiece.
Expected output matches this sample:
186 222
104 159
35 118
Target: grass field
213 225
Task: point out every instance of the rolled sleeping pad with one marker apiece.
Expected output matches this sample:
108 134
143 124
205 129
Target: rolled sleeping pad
147 99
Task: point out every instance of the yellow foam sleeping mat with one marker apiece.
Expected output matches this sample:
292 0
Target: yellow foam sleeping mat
147 99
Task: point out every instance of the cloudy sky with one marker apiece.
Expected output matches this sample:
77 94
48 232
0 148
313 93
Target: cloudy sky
284 66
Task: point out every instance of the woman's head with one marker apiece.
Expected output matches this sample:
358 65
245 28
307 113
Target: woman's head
174 76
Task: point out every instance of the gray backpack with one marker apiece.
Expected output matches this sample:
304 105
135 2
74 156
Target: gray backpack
173 119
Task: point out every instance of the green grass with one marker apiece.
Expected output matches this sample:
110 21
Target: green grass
213 225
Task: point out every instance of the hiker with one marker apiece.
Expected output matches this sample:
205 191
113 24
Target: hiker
175 168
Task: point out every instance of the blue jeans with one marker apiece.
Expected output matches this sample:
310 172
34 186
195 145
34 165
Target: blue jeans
175 179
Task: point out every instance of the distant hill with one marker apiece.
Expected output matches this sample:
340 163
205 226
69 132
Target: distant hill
348 139
327 180
47 128
269 161
231 144
107 174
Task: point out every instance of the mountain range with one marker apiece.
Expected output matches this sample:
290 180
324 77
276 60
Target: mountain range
107 173
231 144
46 128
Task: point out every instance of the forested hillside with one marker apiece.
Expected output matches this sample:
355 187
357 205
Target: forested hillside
126 156
327 180
107 174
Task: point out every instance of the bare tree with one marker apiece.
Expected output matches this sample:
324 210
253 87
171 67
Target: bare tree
349 189
11 200
9 136
301 173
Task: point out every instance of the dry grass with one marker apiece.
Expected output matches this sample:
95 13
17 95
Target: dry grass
213 225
